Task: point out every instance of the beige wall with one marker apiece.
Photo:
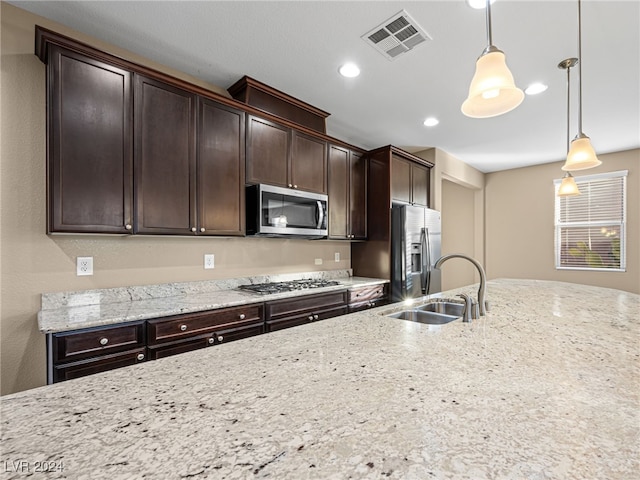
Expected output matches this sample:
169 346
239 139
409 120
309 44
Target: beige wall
33 263
520 230
458 229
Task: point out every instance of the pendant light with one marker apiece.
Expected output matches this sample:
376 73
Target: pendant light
581 154
492 91
568 187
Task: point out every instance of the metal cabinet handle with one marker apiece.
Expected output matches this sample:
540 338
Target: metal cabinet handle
242 316
104 341
211 340
127 226
183 327
315 317
202 229
220 338
290 185
311 318
193 229
295 186
140 357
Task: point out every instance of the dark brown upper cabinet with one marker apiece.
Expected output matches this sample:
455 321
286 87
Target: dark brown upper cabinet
279 155
220 169
268 149
165 160
347 194
90 148
409 182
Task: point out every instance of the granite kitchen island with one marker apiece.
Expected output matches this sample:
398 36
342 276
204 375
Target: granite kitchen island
546 386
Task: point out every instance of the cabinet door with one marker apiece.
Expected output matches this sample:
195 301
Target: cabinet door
268 146
420 185
220 171
165 119
308 163
358 196
400 180
338 192
89 145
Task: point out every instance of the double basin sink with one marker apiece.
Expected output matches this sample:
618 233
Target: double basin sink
434 313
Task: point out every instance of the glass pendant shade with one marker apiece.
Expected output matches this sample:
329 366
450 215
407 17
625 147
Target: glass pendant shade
492 91
581 155
568 187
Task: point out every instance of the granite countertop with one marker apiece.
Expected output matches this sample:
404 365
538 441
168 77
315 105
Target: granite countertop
546 386
76 310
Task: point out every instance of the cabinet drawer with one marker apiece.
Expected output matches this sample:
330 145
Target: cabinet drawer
304 317
185 326
91 342
307 303
207 340
99 364
363 294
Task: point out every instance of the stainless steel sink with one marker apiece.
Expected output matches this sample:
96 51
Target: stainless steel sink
448 308
424 316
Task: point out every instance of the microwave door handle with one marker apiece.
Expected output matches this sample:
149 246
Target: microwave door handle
320 215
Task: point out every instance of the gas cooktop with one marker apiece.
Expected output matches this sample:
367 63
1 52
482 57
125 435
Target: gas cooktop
280 287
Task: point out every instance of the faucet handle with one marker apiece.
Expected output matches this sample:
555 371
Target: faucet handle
467 314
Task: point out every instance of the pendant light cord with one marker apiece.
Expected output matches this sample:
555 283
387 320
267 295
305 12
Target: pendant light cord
488 16
580 134
568 105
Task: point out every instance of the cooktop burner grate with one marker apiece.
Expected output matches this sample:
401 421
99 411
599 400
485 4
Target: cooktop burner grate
279 287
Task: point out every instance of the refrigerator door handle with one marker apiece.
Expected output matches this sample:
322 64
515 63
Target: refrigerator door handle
425 274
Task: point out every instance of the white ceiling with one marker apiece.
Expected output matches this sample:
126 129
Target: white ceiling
297 47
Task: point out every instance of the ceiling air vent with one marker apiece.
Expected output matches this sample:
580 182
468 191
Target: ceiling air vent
395 36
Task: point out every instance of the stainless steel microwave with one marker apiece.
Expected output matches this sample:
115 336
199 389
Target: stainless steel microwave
278 212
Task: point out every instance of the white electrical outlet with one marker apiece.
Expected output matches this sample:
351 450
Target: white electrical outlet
336 256
84 266
318 261
209 261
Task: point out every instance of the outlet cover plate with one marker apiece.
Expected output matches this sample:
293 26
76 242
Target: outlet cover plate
318 261
336 256
209 261
84 266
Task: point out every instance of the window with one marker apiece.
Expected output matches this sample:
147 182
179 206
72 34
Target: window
590 227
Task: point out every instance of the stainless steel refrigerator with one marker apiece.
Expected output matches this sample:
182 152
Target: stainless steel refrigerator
416 239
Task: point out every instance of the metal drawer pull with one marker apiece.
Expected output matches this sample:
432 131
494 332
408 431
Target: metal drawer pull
211 340
202 229
127 226
140 356
311 318
315 317
193 229
220 338
183 327
242 316
104 341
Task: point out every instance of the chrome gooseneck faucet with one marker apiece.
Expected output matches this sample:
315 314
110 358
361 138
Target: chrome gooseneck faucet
483 277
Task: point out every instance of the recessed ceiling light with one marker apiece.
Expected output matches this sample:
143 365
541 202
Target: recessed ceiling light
535 88
431 122
349 70
478 3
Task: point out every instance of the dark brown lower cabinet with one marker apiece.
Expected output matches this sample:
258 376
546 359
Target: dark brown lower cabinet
99 364
87 351
183 333
363 298
91 350
280 314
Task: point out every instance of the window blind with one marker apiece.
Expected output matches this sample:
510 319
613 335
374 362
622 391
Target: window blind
590 227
